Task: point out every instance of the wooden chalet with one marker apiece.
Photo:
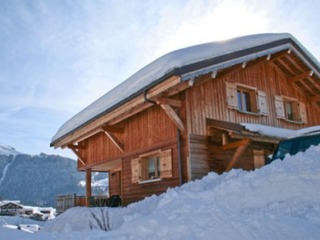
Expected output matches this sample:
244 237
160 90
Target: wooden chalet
183 115
10 208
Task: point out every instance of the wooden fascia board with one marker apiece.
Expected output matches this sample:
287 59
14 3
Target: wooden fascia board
255 137
137 104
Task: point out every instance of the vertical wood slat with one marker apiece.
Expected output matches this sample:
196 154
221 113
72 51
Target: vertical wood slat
266 78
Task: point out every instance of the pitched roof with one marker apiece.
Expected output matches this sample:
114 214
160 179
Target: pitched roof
188 63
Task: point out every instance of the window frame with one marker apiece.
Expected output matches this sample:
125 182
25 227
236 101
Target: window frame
254 104
247 100
290 109
140 167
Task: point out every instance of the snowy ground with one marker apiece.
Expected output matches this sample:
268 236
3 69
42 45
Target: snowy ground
278 201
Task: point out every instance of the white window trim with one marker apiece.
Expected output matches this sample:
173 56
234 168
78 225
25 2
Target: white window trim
150 181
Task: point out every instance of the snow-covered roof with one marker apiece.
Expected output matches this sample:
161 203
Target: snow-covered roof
281 133
188 63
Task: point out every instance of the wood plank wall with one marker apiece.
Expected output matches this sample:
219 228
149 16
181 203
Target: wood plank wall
208 100
133 192
199 155
140 131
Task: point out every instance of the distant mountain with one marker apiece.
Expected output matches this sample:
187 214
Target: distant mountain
38 179
7 150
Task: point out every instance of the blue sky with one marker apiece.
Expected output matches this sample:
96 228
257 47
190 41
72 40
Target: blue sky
58 56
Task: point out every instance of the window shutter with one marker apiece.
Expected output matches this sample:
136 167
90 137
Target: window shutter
262 103
231 90
279 107
296 111
165 164
303 112
136 170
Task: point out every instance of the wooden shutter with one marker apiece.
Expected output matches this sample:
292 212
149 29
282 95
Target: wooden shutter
165 164
262 103
279 107
231 90
295 111
303 112
136 170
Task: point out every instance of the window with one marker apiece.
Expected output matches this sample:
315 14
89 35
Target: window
153 170
290 109
151 166
246 99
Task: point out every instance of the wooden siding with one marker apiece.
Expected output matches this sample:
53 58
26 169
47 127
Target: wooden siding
209 100
115 186
145 129
199 155
133 192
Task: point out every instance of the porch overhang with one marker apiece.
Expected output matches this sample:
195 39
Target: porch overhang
237 131
109 166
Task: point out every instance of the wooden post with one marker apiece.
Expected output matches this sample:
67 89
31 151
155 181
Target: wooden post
88 187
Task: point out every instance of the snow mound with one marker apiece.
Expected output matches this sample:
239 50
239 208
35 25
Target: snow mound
278 201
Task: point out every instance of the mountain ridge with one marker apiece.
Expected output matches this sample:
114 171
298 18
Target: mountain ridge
38 179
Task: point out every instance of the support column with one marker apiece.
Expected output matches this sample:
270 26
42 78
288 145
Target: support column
88 186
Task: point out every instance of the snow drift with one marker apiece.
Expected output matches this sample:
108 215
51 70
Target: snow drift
278 201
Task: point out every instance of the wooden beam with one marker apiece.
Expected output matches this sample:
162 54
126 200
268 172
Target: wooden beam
235 144
173 116
172 102
238 153
115 140
299 77
285 66
75 150
112 129
256 138
313 99
88 187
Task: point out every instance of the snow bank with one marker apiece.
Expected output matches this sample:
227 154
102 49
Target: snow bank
278 201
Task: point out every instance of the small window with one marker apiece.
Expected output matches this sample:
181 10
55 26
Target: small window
290 109
246 100
153 169
152 165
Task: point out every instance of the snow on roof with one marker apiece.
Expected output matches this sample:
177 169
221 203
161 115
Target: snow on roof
187 63
280 132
